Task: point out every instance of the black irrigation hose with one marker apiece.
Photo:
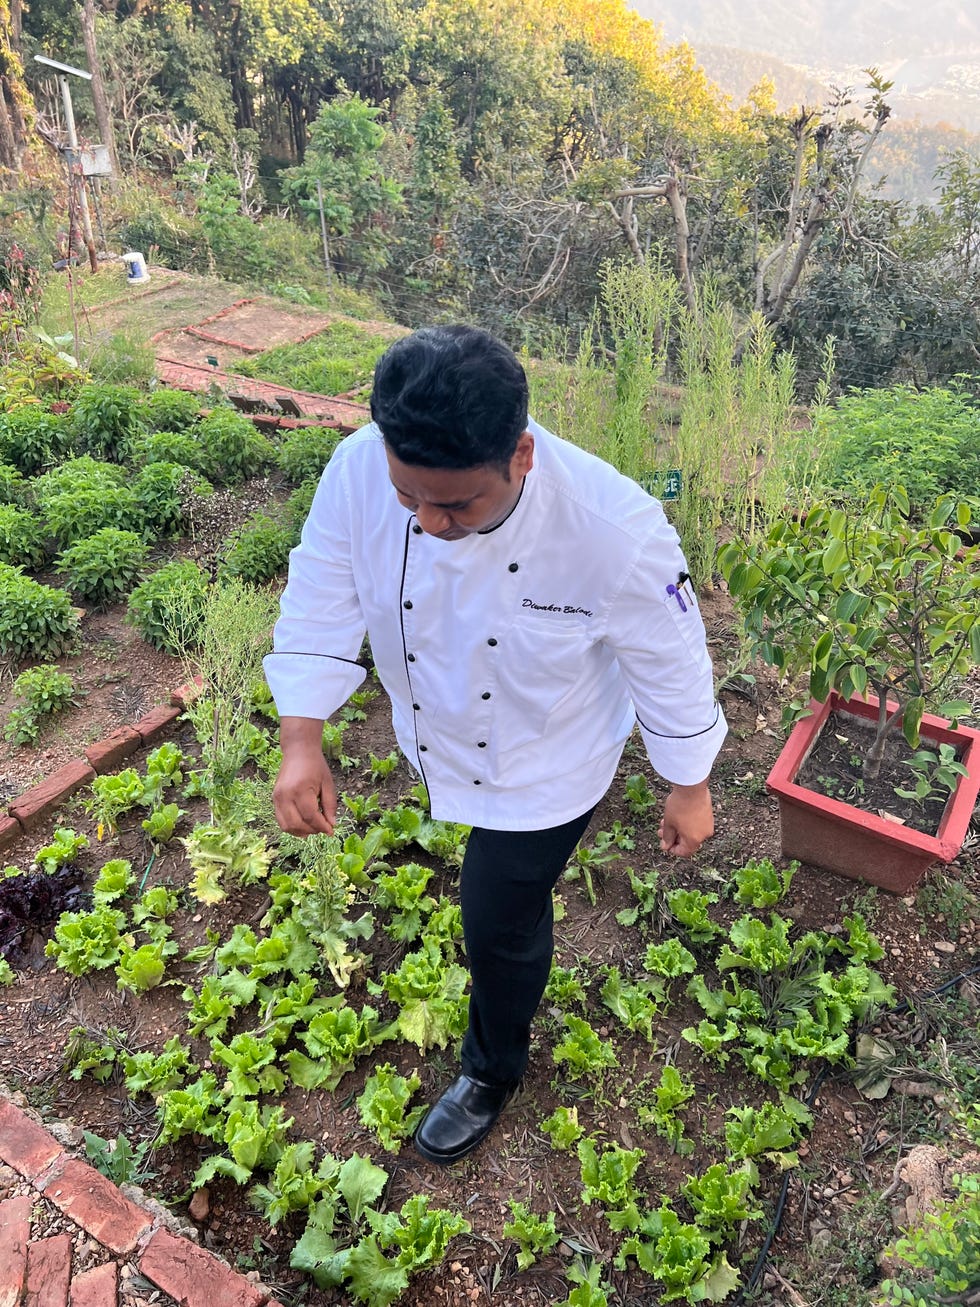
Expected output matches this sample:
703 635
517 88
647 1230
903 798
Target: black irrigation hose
763 1257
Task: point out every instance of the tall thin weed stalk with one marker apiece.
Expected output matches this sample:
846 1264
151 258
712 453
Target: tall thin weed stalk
234 633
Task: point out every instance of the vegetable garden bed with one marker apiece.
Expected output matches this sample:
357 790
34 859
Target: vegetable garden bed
77 1041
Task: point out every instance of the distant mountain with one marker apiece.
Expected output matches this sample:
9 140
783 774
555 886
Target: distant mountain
931 52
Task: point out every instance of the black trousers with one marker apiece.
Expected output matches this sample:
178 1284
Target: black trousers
505 889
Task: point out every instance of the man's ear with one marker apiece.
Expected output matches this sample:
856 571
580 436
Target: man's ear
523 459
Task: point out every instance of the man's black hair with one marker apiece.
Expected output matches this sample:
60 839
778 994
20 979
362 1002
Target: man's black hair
450 397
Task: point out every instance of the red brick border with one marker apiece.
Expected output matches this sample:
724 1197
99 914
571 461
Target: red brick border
188 1272
25 811
43 798
107 753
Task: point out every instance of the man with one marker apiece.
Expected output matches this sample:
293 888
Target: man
526 605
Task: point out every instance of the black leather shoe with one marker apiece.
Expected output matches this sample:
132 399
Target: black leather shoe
461 1119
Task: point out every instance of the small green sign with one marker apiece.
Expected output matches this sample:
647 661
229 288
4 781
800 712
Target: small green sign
664 485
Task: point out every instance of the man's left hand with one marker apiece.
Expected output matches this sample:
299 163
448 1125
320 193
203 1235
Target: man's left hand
687 821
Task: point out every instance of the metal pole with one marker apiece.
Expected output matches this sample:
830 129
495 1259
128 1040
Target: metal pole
75 172
323 230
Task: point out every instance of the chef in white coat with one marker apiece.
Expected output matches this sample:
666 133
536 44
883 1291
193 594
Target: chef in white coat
526 606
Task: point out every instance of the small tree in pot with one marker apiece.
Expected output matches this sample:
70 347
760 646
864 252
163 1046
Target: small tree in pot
867 602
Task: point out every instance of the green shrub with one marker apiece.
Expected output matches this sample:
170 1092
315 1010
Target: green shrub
75 472
21 537
31 438
36 621
170 447
928 441
162 490
258 551
105 566
233 449
105 420
77 514
167 607
41 691
306 452
297 507
12 487
170 410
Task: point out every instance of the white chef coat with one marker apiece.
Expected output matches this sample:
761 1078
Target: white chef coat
516 660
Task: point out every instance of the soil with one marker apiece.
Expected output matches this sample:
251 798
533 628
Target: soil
851 1138
835 767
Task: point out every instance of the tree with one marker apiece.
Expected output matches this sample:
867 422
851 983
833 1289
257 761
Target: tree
16 105
344 157
99 98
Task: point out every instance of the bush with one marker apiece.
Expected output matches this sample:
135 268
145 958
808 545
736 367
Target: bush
36 621
168 606
31 438
12 488
306 452
170 447
297 507
104 567
258 551
170 410
77 514
74 472
41 691
162 490
233 449
928 441
105 420
21 537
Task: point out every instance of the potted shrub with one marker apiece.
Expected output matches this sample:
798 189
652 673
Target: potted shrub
883 613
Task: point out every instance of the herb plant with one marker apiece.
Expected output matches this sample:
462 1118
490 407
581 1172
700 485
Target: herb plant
22 537
105 566
41 691
36 621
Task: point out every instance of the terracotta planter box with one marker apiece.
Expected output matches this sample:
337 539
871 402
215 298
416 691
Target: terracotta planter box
862 845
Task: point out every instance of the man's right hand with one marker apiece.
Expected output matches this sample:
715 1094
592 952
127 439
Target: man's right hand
304 795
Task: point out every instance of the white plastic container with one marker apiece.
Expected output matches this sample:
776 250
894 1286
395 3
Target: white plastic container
136 272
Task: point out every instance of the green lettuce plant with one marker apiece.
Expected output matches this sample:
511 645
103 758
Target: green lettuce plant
535 1235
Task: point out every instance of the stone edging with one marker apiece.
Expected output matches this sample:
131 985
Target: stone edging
190 1274
28 809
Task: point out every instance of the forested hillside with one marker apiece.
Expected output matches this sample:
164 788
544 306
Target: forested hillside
472 163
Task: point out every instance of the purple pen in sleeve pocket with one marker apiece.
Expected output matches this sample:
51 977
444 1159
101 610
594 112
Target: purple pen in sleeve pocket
675 593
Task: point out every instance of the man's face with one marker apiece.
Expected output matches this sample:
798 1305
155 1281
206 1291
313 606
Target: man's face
451 503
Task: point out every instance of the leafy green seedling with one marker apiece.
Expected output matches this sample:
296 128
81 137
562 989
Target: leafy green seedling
162 822
669 959
564 987
647 891
607 1178
671 1093
761 884
582 1051
118 1159
111 797
62 850
114 881
383 767
722 1200
563 1128
639 797
535 1235
689 908
936 774
383 1106
636 1005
